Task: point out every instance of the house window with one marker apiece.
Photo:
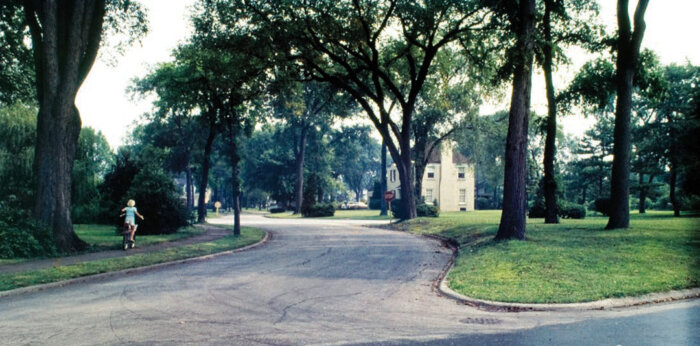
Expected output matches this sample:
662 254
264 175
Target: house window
429 196
461 172
462 195
431 172
392 175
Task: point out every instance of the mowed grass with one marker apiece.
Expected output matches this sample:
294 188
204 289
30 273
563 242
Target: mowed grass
574 261
361 214
106 236
248 236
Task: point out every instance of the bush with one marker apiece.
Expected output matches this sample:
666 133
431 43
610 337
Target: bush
422 210
483 203
572 211
602 205
277 209
537 211
319 210
157 200
565 210
21 236
375 203
427 210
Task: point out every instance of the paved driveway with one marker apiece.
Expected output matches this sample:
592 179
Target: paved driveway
314 282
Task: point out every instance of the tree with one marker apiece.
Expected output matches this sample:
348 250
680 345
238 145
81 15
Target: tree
66 36
512 225
628 44
379 52
305 107
175 122
234 64
17 140
93 157
560 26
356 157
16 65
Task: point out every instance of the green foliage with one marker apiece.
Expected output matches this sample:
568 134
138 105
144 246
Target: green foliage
17 138
157 200
422 210
92 159
425 210
375 202
571 210
17 67
602 205
320 210
21 236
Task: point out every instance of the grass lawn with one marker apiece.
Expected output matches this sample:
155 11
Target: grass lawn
362 214
10 281
105 237
574 261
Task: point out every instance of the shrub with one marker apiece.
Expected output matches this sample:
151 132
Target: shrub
21 236
421 210
375 203
537 211
427 210
319 210
277 209
157 200
483 203
565 210
602 205
572 211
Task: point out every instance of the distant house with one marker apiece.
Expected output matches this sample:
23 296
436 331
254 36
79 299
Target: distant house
181 185
448 179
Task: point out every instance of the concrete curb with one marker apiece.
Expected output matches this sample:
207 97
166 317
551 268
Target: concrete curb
102 276
441 286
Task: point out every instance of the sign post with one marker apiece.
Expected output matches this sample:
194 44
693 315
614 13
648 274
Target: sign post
388 197
217 205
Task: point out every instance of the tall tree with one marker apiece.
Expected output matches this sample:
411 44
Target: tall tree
564 23
522 21
66 36
376 51
628 44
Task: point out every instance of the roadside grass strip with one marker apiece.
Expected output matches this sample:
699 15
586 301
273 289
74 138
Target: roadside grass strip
248 236
102 237
574 261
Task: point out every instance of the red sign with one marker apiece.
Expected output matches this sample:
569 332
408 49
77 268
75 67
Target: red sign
389 196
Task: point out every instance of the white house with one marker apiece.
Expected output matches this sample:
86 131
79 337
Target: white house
448 179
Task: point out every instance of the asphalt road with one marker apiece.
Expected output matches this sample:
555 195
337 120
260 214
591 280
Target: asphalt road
315 282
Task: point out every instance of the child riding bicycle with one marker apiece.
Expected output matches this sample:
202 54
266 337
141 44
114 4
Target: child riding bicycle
130 220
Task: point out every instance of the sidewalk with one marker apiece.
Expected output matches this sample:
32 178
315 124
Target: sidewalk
211 233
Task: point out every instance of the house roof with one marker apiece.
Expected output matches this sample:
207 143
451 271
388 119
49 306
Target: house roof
457 157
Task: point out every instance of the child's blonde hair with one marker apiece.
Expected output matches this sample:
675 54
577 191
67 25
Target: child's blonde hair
131 203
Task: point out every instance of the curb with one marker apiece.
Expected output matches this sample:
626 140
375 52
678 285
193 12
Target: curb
442 288
123 272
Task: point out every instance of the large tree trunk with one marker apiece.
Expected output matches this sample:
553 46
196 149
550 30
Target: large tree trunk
515 176
383 181
672 187
627 59
642 194
405 169
189 187
299 153
65 40
236 186
201 204
550 184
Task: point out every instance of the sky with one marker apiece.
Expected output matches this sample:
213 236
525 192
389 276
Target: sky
672 32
